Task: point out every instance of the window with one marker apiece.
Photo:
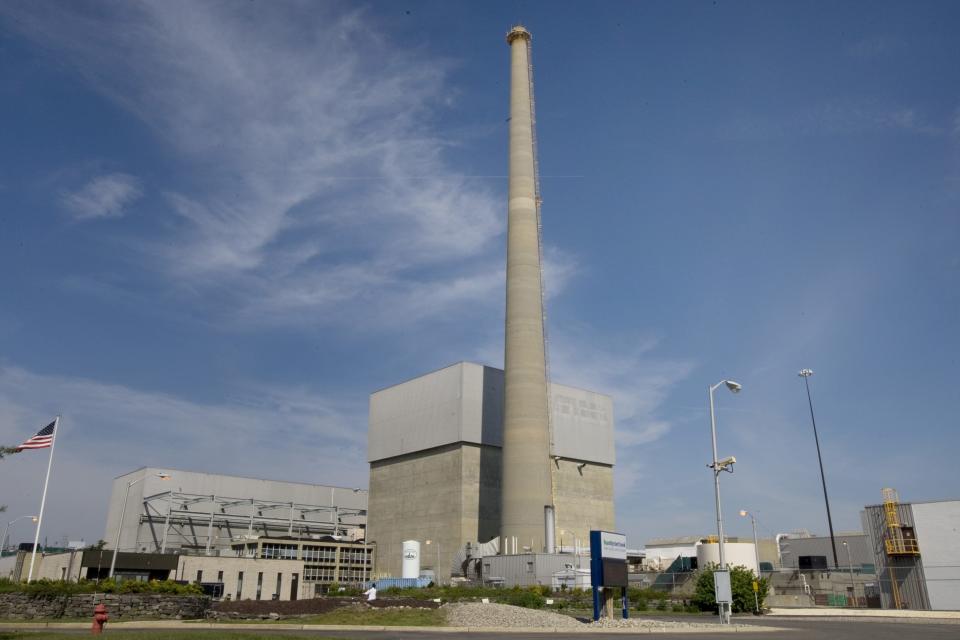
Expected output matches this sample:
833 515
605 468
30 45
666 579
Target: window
313 573
279 551
276 592
219 576
259 584
199 575
239 584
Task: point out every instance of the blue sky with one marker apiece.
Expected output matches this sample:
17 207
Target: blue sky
225 224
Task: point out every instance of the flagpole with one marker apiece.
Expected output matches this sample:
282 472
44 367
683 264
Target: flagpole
43 500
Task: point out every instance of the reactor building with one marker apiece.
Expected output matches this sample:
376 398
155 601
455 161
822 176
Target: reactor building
471 454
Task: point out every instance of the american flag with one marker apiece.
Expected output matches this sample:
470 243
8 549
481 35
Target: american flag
42 440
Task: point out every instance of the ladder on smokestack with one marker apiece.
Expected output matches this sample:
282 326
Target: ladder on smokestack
543 302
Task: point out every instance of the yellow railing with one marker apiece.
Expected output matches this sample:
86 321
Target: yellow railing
902 547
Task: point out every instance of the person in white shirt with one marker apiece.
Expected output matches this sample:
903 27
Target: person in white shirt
371 593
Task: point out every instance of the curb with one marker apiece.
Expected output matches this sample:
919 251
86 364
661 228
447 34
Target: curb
178 624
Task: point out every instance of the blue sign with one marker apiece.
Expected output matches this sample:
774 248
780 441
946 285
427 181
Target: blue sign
608 567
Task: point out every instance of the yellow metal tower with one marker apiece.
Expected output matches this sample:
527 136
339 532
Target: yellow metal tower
897 544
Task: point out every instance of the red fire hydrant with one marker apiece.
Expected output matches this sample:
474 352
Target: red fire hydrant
100 618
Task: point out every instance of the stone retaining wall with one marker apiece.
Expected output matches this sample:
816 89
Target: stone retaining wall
20 606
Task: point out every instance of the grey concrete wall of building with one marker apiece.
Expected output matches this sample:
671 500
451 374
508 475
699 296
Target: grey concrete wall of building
860 552
905 572
140 536
452 494
938 536
464 403
583 499
420 496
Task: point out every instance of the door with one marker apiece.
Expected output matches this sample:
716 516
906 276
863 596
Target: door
294 585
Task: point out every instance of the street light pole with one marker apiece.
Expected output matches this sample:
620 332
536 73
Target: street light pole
6 530
756 552
717 467
853 585
805 374
123 512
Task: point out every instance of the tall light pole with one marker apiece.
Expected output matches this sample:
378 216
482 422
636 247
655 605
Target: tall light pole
3 541
123 512
853 585
805 374
756 552
720 465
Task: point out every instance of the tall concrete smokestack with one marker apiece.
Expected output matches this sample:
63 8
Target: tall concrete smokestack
526 439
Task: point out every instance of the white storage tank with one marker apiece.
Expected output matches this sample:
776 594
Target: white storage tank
737 554
410 567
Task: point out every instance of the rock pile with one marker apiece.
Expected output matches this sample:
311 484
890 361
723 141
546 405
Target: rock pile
474 614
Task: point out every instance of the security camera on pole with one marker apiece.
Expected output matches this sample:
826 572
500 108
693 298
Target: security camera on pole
721 577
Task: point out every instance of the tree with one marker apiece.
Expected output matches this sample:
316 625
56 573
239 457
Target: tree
741 586
6 451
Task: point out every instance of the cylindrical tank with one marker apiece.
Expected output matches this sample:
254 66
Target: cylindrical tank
737 554
410 567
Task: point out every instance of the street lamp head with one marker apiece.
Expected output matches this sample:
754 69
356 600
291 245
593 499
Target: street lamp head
164 476
734 387
743 513
35 518
805 373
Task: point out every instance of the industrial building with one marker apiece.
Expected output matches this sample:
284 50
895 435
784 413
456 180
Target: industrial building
686 553
471 454
436 463
916 552
282 568
168 510
811 553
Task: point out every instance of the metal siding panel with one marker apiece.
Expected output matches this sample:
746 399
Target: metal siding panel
937 525
442 407
415 415
582 424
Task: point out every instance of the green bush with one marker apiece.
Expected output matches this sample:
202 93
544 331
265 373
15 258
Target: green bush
662 605
641 604
529 598
56 588
741 586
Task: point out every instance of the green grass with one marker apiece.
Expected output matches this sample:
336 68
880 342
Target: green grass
369 617
384 617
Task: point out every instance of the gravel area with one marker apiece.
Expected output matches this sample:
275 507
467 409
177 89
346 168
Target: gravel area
473 614
665 625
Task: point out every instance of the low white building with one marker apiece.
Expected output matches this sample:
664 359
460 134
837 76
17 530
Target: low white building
255 569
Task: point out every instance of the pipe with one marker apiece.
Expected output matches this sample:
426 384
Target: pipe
549 525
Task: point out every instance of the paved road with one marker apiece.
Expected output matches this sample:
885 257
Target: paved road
794 629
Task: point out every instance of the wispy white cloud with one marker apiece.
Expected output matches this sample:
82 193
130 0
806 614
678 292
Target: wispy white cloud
291 433
317 176
830 119
106 196
874 46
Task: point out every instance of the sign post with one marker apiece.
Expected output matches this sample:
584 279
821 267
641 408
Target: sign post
723 594
608 569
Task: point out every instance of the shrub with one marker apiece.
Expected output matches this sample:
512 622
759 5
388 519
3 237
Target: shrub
741 586
529 598
641 604
56 588
662 605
